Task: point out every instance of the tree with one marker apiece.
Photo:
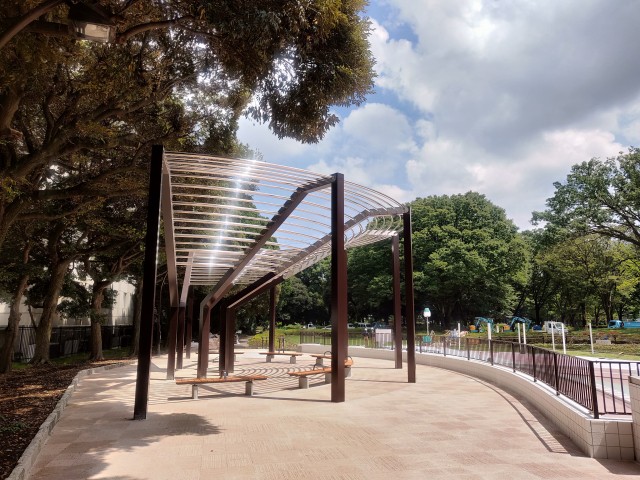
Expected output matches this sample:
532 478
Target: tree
284 63
15 274
601 197
468 257
370 279
305 297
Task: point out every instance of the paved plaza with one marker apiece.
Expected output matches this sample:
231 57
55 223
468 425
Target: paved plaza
446 426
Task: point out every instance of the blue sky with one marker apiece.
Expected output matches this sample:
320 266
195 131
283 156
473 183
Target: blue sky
497 97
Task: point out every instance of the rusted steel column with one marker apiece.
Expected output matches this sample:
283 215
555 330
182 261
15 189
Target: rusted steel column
203 345
180 339
149 285
338 291
172 334
189 324
272 318
397 310
222 344
409 306
229 353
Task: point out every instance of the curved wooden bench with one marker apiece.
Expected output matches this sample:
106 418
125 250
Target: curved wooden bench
194 382
293 355
303 381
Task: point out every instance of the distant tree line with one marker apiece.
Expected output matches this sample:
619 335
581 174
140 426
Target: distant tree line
580 265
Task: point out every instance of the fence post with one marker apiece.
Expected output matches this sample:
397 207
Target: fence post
533 362
491 352
444 346
468 348
513 356
555 373
594 392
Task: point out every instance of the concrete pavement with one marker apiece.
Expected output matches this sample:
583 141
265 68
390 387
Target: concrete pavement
447 425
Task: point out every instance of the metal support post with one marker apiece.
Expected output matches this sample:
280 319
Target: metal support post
397 310
409 307
272 318
180 339
229 355
338 291
203 345
189 324
149 285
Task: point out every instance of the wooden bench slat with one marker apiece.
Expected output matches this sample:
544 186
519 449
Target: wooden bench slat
239 378
288 354
306 373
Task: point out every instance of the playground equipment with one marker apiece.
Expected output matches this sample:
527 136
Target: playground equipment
623 324
477 325
525 321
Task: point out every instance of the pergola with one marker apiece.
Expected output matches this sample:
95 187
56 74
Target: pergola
242 226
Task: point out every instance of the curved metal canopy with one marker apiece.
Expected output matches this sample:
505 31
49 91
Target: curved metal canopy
236 220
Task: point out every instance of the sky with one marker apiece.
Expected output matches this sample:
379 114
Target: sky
493 96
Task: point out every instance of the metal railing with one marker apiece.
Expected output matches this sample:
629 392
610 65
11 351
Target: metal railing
66 341
601 386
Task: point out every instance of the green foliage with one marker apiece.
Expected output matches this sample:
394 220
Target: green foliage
600 197
305 297
11 426
468 257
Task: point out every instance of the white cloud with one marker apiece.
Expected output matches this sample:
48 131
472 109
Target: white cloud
497 97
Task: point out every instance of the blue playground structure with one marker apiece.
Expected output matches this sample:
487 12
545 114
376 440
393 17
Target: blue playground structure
478 324
525 321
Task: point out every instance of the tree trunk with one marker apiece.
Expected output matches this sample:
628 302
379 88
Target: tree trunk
43 332
97 297
137 315
11 333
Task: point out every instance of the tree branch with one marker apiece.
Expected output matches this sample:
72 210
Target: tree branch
144 27
22 22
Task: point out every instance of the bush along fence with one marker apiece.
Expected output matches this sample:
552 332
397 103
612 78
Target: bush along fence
66 341
601 386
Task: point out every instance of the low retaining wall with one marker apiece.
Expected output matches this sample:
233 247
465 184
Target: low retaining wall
611 438
634 392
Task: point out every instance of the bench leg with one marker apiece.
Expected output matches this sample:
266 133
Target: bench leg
319 362
248 388
327 377
292 359
347 372
269 357
194 392
303 382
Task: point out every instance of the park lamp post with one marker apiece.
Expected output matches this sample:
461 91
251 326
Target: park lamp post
86 21
427 314
90 22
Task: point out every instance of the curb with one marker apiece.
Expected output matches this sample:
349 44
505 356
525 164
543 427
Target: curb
30 455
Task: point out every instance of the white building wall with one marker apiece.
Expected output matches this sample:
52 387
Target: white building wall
120 314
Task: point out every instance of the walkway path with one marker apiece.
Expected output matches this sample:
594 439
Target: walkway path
447 426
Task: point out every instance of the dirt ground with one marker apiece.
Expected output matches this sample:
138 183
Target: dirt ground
27 397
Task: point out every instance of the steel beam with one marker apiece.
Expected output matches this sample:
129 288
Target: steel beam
149 285
397 300
172 272
409 306
338 291
226 282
